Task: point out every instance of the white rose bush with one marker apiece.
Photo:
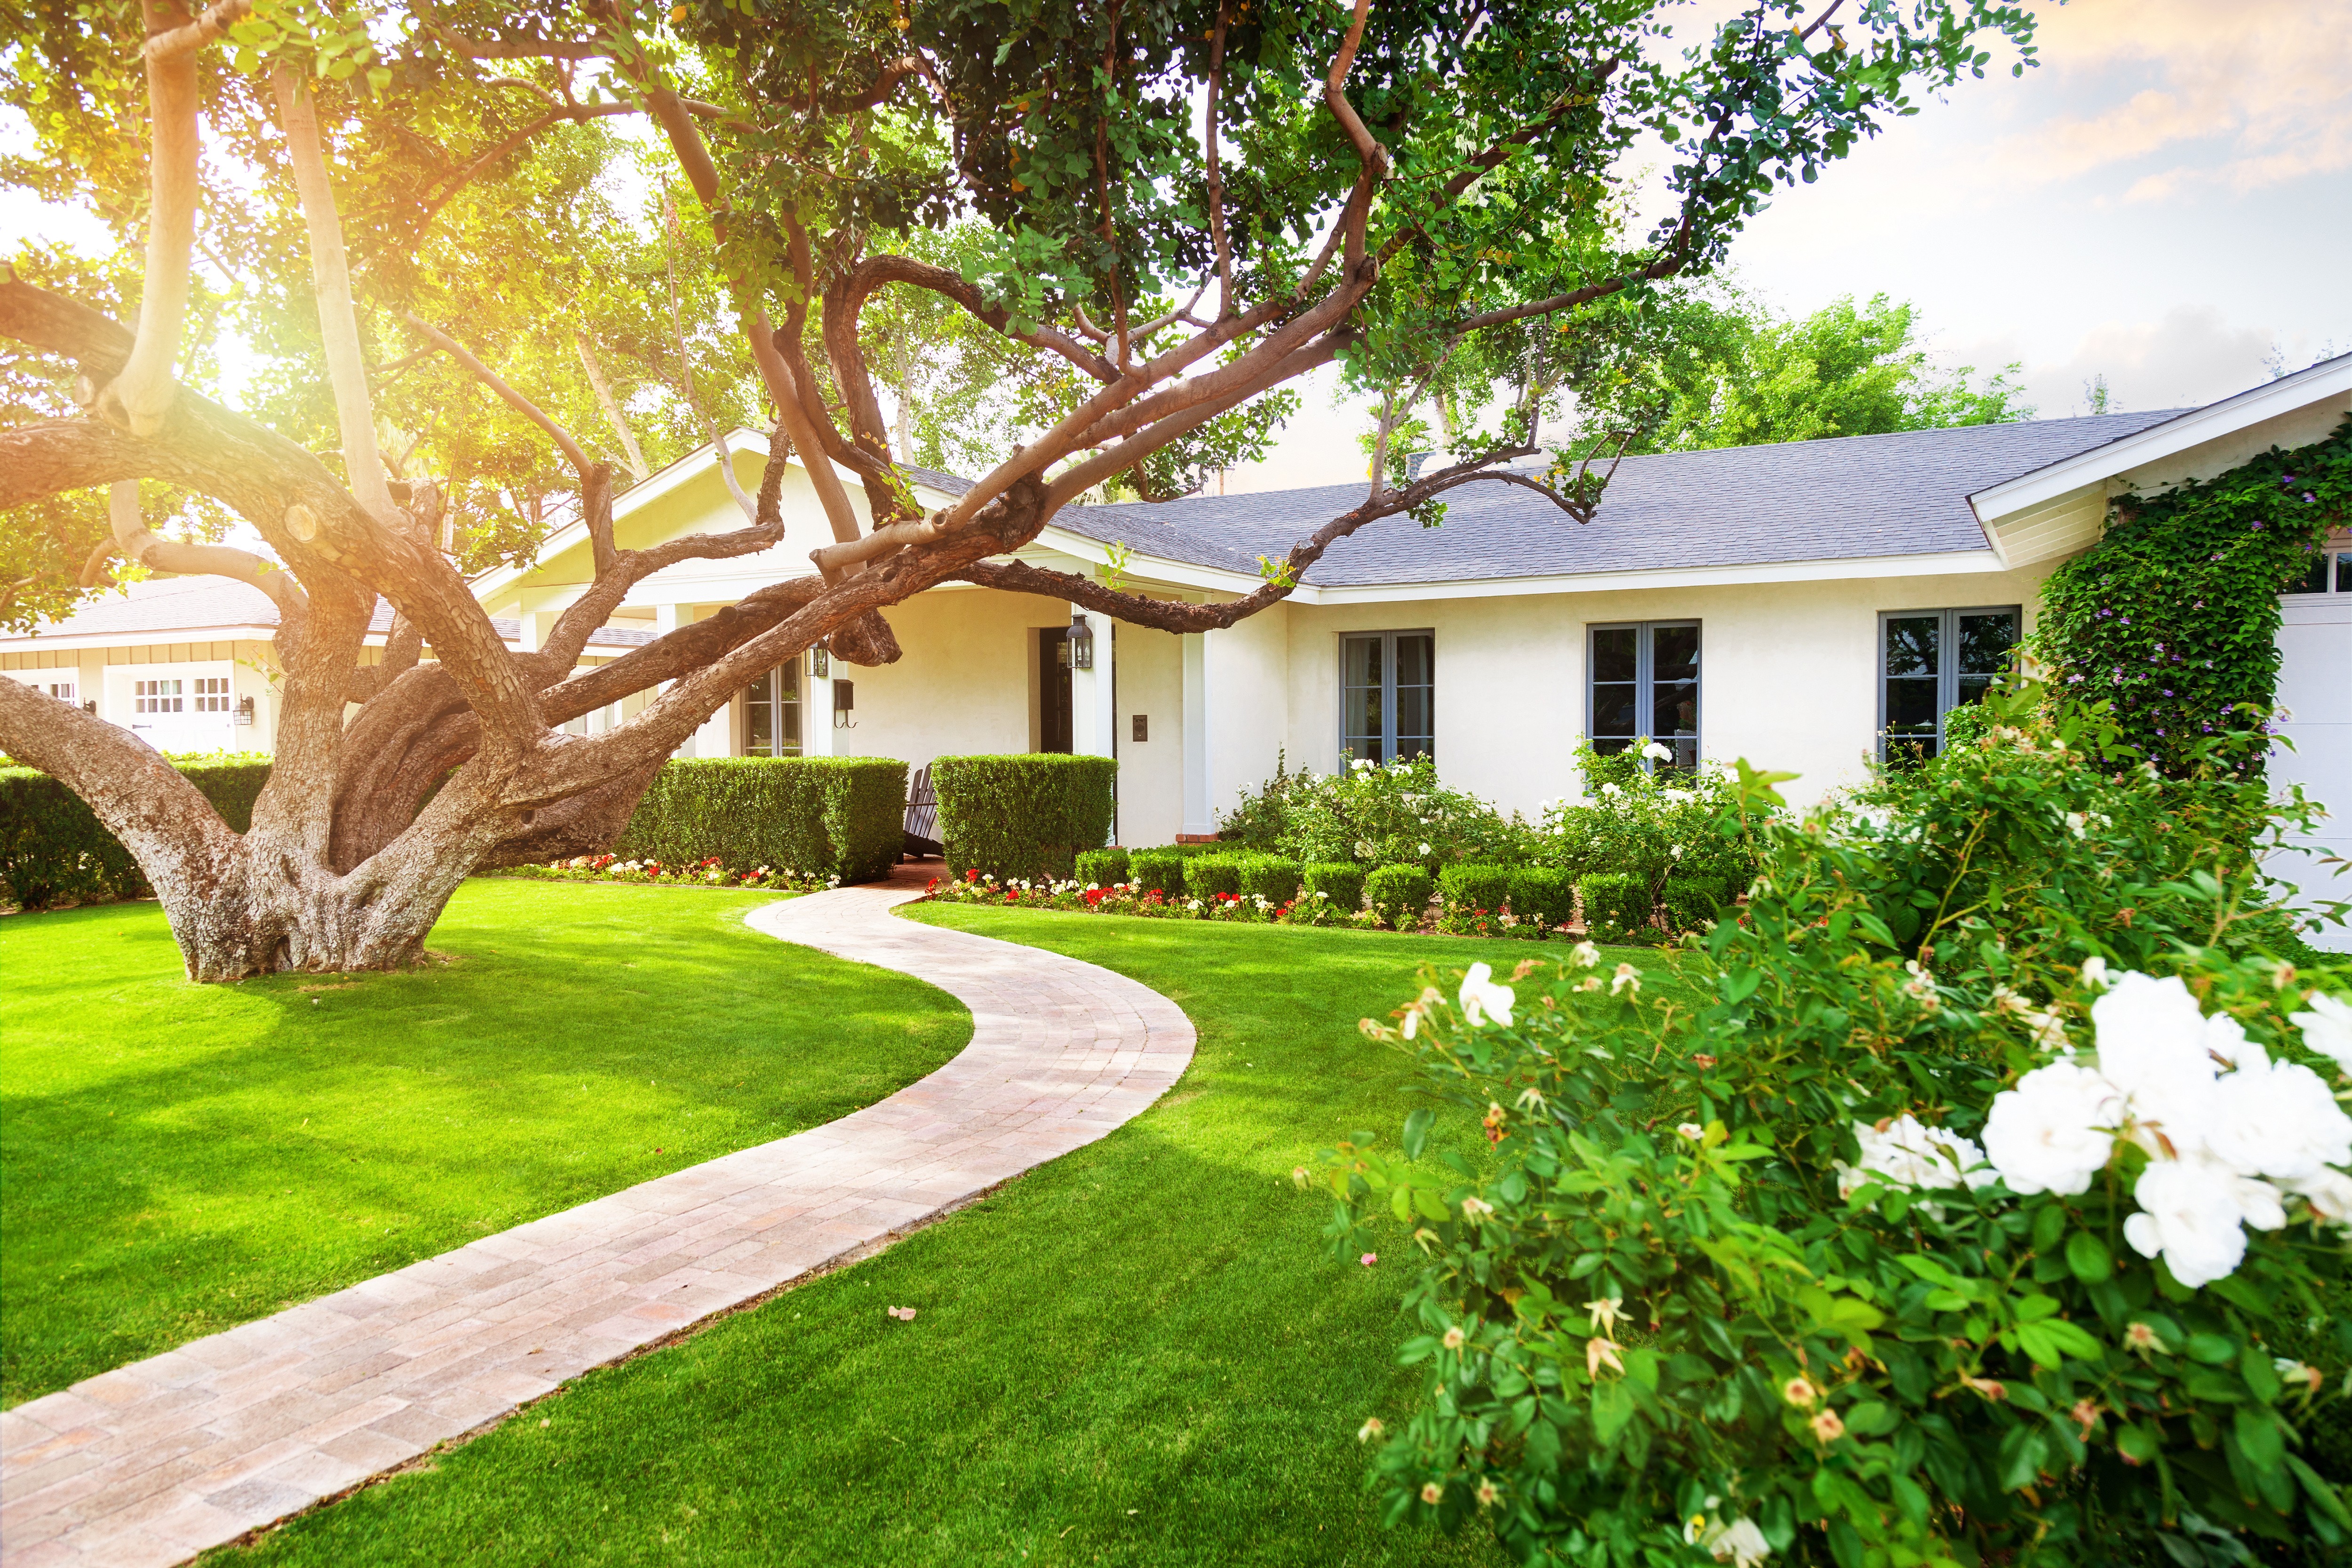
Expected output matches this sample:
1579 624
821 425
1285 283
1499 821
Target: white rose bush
1981 1195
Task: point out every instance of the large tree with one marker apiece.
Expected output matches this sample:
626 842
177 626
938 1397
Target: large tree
1180 208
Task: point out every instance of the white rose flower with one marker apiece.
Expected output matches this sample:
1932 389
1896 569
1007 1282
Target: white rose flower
2277 1121
2158 1047
1657 752
1612 789
1482 999
2094 973
2329 1194
1739 1543
2050 1133
1909 1154
2190 1218
1585 954
2327 1029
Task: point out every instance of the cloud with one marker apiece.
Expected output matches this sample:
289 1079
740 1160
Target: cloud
2252 96
2192 355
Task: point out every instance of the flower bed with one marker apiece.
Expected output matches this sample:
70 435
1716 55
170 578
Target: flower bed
706 873
1308 908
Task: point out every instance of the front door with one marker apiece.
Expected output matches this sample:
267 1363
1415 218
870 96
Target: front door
1054 688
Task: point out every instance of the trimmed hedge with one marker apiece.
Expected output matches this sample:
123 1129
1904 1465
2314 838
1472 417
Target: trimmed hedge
1023 816
1158 871
1615 904
1692 902
1271 878
1103 868
1543 893
54 850
1340 881
1205 876
843 816
1470 888
1400 894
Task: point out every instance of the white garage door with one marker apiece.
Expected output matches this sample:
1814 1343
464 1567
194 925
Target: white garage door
2316 687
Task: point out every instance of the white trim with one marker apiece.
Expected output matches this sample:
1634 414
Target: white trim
43 642
2194 428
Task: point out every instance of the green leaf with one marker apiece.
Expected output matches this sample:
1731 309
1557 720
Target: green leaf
2330 1500
2258 1436
2213 1349
2088 1257
2049 1224
1613 1408
1417 1130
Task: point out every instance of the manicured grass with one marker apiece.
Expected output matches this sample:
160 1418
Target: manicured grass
1137 1354
178 1158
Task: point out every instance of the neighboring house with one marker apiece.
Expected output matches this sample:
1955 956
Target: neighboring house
1793 605
186 663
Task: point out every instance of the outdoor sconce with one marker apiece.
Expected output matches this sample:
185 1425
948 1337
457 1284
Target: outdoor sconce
244 714
1082 641
844 701
819 662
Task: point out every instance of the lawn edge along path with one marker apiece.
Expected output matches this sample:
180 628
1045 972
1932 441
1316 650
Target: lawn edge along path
156 1461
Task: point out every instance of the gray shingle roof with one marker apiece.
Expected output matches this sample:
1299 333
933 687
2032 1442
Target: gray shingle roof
153 608
1841 499
938 479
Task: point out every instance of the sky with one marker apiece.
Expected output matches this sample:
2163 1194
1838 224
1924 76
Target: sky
2165 201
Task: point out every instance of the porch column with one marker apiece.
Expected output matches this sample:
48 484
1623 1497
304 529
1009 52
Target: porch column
716 738
1093 719
818 737
1199 816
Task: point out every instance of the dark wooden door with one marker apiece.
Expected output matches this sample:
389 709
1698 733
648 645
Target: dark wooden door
1053 689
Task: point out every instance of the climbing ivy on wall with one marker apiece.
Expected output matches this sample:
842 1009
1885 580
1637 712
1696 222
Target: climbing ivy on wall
2174 615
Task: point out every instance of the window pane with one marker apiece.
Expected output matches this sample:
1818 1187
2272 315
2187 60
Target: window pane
1673 710
759 719
1613 653
2344 573
2311 579
1674 656
1912 643
1415 728
1984 642
1414 657
1616 715
1362 666
1911 705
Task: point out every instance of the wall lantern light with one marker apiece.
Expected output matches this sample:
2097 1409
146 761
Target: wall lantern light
819 663
244 714
1082 641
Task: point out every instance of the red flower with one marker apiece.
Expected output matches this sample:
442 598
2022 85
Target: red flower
1094 897
971 874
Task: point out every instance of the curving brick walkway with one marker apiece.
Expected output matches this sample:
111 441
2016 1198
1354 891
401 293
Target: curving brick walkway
154 1462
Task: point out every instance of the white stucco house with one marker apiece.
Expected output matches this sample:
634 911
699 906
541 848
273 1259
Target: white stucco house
1794 605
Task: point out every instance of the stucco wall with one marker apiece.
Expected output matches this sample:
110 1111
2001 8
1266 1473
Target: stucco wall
1789 677
964 684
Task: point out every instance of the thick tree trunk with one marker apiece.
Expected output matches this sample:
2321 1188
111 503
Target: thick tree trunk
270 913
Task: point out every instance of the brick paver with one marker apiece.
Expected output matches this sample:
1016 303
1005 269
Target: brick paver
155 1462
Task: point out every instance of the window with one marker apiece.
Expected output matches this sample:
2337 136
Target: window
62 691
1388 695
212 694
1930 662
2330 571
1644 683
771 713
156 697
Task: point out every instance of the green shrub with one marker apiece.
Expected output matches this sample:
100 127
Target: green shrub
1271 878
54 850
1023 816
1470 888
1878 1257
1400 894
1615 905
1158 871
1374 815
1340 883
843 816
1543 893
1103 868
1692 902
1205 876
1211 846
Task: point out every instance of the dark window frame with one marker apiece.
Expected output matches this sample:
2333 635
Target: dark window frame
1388 688
1948 664
2332 564
1645 690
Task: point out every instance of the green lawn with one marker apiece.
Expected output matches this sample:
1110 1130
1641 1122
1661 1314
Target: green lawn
1138 1353
177 1158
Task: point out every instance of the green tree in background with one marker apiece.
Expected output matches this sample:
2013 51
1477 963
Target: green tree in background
1716 367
